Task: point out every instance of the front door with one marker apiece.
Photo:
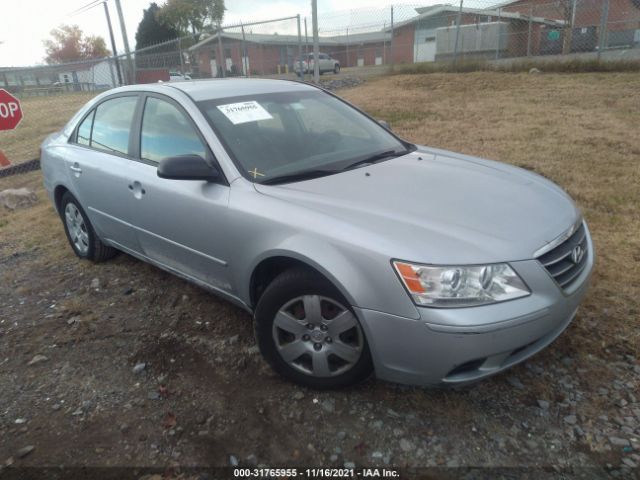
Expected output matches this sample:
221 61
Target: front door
181 224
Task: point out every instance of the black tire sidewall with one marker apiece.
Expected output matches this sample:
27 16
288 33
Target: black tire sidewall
288 285
336 69
67 198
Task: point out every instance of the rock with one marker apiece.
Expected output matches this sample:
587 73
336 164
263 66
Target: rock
24 451
298 395
406 445
328 406
376 454
534 71
578 431
233 340
153 395
95 283
233 461
571 419
619 442
13 198
543 404
515 383
73 320
124 428
629 463
56 406
252 460
139 368
128 291
20 421
333 458
37 359
349 465
621 402
341 435
377 424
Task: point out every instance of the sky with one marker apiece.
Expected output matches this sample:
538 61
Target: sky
24 24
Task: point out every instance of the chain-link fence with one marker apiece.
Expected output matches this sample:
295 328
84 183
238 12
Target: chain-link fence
352 39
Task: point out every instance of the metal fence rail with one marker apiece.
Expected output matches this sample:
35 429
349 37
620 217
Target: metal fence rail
400 34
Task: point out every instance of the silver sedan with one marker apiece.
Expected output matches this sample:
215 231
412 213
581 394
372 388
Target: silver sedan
355 251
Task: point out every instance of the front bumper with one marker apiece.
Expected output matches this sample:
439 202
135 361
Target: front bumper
456 346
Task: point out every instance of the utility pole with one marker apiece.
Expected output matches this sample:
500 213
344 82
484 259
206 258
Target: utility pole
316 46
130 73
113 43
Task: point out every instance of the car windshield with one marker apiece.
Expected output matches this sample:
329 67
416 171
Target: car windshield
283 135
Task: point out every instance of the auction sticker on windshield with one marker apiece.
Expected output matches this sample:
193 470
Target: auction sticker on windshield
244 112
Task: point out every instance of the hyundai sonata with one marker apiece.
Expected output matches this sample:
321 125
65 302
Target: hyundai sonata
355 251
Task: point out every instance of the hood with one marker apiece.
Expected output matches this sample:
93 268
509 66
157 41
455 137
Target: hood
432 206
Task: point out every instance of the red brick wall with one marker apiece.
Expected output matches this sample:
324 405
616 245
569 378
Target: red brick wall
623 14
403 39
152 76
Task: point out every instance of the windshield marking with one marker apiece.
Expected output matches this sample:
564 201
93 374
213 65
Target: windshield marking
244 112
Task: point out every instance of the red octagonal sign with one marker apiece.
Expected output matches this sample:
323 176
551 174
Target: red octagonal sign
10 111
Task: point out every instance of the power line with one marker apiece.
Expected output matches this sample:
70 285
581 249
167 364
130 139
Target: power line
86 7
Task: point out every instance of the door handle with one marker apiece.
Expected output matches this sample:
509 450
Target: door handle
136 188
75 168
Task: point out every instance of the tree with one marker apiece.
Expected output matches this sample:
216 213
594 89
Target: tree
69 44
151 31
191 16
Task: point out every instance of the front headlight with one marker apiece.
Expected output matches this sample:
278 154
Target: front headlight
460 286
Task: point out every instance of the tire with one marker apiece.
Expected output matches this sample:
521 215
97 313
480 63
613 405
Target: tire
80 233
329 356
336 69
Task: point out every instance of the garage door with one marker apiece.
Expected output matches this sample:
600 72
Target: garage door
426 51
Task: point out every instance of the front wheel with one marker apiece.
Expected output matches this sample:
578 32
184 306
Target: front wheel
80 233
308 334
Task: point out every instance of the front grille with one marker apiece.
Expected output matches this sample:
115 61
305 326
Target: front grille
563 262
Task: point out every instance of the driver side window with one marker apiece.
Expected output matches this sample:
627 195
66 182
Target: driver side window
167 132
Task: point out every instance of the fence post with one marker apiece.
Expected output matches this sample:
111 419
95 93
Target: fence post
300 71
603 27
391 41
113 43
245 58
529 33
458 21
316 41
348 64
131 77
498 42
180 53
223 62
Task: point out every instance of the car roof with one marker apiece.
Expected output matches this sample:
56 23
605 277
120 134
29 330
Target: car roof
211 89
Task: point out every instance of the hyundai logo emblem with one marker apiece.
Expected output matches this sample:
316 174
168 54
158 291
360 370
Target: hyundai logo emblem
576 254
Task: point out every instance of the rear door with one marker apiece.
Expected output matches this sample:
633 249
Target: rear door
98 159
181 224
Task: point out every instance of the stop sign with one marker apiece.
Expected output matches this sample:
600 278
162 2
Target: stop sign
10 111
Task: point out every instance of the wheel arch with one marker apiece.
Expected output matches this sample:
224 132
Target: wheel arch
271 265
58 193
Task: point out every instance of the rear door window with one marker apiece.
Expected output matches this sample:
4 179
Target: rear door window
112 124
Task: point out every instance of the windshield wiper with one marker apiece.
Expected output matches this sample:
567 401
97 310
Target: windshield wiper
298 176
376 157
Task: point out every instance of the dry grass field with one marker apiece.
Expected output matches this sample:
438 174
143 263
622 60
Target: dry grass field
574 405
41 116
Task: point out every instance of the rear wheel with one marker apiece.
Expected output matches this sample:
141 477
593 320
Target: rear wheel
336 69
308 334
80 233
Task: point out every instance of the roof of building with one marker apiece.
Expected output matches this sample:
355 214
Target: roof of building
433 10
277 39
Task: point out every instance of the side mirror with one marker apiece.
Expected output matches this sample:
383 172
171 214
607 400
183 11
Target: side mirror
187 167
385 124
